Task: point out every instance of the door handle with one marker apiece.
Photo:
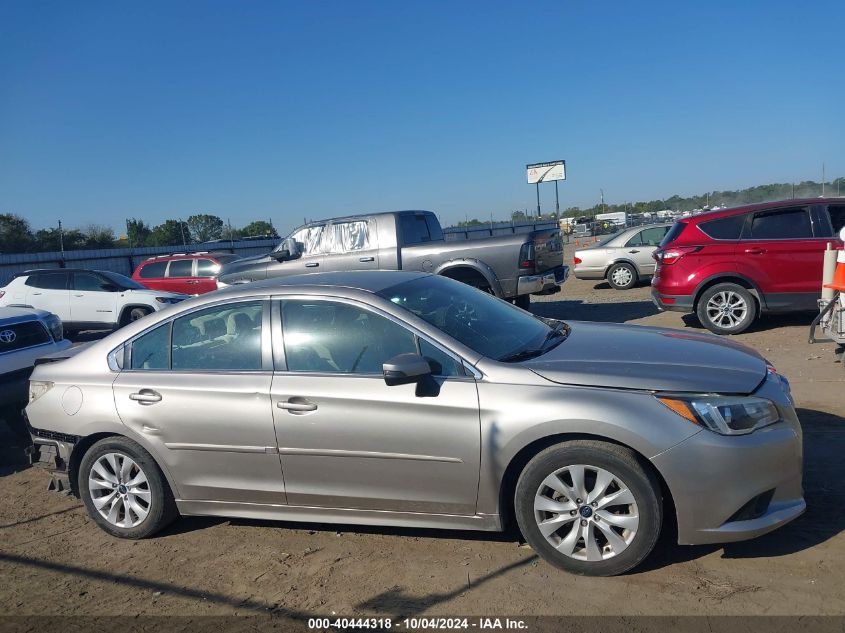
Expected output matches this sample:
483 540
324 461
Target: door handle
37 294
145 396
78 295
298 407
366 259
192 281
634 251
312 264
755 251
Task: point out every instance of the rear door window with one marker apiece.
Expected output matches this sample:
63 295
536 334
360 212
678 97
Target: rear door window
415 229
837 217
180 268
48 281
781 224
729 228
89 282
154 270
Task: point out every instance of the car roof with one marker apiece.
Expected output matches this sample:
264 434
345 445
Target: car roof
198 254
358 216
35 271
758 206
367 280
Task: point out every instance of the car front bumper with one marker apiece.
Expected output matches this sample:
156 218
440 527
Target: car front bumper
543 283
732 488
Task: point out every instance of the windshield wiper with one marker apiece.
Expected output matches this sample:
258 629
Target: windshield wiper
559 330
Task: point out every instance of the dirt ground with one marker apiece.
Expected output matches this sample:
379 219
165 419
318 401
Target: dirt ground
54 560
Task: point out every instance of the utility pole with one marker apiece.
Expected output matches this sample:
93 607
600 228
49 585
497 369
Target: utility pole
793 191
822 180
61 240
128 234
538 198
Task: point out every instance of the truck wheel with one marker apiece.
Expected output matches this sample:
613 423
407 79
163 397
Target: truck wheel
726 309
124 490
622 276
522 301
589 507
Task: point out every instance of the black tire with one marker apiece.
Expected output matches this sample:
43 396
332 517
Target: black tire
726 322
522 301
161 509
134 314
623 464
625 274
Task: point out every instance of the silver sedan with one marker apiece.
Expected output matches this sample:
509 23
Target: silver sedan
406 399
623 258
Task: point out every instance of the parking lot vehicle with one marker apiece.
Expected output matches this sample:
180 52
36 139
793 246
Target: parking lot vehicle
623 259
510 266
187 273
25 335
732 265
85 299
409 399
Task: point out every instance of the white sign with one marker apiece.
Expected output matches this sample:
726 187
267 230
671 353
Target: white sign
546 172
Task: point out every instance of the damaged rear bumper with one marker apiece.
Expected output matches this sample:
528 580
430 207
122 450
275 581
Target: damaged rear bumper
52 451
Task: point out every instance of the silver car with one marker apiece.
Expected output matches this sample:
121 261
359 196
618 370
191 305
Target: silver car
408 399
623 258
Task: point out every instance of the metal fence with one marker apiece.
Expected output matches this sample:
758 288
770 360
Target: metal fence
125 260
120 260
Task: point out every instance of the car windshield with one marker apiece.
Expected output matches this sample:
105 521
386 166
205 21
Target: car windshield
121 281
485 324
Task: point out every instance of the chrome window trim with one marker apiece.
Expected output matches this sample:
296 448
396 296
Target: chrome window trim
277 299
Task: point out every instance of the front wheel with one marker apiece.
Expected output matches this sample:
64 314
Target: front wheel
726 309
134 314
124 490
589 507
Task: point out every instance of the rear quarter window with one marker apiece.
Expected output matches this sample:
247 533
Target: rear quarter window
729 228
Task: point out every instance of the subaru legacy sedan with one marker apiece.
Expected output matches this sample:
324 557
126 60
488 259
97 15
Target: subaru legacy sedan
409 399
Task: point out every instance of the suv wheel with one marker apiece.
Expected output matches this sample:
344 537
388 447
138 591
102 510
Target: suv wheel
136 313
124 490
622 276
589 507
726 309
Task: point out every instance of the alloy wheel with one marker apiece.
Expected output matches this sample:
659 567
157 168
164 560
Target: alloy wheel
119 490
586 512
726 309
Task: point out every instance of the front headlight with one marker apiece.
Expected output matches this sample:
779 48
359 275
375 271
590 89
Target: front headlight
54 324
168 300
38 388
727 415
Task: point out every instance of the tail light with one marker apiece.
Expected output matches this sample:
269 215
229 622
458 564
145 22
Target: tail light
672 254
526 255
576 260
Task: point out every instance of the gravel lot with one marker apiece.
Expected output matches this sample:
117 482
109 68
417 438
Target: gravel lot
53 560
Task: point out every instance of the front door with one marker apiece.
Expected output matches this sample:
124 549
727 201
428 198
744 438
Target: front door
93 299
347 440
202 401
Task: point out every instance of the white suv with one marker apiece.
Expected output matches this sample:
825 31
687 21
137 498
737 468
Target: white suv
86 299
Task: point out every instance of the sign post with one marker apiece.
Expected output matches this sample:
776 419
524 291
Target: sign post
545 172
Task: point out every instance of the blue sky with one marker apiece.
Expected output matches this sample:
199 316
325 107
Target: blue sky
290 109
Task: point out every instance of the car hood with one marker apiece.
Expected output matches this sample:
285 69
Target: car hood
156 293
660 359
255 267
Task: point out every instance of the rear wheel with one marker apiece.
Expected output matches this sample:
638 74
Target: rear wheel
124 490
726 309
622 276
589 507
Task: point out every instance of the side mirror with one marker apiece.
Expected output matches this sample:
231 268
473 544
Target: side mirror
288 250
405 369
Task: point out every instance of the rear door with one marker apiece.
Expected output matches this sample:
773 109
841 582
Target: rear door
92 299
351 245
180 273
781 254
49 291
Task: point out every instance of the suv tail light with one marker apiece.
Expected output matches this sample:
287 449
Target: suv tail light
526 255
576 260
672 254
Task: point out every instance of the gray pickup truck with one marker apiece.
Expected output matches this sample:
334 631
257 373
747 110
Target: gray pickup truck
510 266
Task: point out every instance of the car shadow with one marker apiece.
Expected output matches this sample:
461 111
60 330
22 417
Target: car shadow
765 322
13 444
577 310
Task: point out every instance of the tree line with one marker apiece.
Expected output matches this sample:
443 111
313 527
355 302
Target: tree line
17 236
750 195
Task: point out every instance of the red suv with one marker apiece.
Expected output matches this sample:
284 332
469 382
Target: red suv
732 265
189 273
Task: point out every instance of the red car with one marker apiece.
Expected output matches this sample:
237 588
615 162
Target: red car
732 265
190 273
